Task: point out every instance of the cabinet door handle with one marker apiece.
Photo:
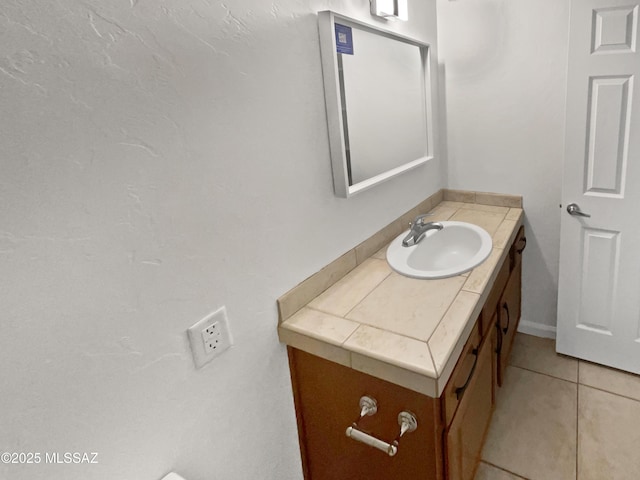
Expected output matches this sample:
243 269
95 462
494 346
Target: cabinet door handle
499 347
524 245
505 306
460 390
407 422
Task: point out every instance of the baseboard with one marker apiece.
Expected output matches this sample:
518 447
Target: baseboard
537 329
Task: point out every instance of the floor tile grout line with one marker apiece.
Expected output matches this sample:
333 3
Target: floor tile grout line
504 470
542 373
610 392
600 388
578 381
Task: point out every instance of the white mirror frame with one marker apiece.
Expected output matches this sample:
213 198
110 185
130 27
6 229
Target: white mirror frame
333 101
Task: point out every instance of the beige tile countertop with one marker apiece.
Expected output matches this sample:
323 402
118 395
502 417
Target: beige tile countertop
359 313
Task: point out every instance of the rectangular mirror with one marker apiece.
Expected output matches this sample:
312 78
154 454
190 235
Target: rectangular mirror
378 99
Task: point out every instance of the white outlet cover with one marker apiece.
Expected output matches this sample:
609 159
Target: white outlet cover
197 335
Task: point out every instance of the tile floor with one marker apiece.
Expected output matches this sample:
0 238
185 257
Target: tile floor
558 418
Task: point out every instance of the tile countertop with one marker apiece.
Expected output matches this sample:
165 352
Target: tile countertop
403 330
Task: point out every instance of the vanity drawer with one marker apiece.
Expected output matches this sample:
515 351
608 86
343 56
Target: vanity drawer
462 374
491 305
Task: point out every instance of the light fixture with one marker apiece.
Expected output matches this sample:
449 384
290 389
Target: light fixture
390 9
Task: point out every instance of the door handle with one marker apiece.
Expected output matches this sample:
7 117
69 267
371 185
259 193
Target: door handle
574 210
460 390
524 245
505 306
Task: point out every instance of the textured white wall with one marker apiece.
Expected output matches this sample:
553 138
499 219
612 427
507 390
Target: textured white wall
505 69
160 159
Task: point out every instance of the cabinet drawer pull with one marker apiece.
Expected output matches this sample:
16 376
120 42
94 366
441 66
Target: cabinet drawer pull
524 245
505 307
499 347
406 420
460 390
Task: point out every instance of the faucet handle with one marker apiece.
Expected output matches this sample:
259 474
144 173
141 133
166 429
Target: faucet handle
419 220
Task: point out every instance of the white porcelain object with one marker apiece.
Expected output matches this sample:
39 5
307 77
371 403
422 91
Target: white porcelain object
172 476
455 249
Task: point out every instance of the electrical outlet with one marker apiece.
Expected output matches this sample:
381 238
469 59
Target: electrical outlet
213 338
210 337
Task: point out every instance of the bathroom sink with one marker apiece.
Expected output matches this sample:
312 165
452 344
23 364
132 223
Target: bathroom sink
455 249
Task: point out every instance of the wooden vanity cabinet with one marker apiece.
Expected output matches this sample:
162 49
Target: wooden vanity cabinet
451 429
326 396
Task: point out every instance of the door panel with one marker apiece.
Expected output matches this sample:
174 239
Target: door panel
608 138
599 282
614 29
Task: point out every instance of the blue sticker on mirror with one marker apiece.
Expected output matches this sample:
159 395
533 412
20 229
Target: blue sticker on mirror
344 39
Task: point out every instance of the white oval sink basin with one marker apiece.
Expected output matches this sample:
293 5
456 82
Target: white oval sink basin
455 249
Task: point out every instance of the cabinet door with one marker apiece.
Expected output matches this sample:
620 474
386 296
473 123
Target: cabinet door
508 317
327 396
467 431
494 337
491 304
519 244
452 394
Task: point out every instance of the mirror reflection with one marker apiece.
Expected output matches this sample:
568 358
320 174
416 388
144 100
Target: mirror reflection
383 105
377 93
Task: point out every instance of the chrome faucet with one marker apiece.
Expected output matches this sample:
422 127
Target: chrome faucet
419 228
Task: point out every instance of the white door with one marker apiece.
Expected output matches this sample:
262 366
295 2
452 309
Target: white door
599 284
